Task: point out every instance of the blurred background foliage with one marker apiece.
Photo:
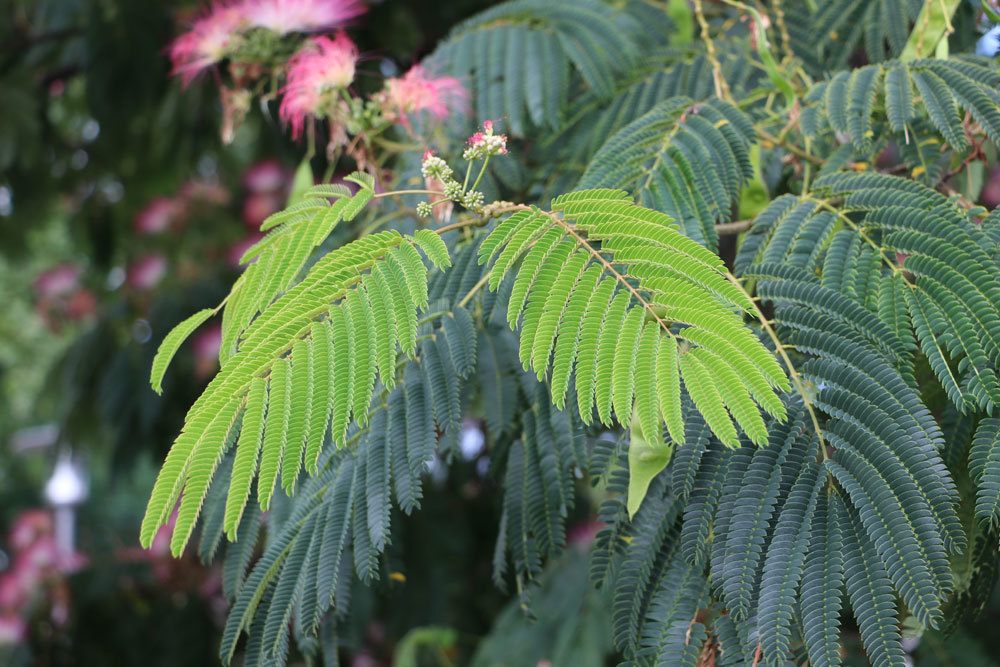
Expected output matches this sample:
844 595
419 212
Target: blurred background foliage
121 212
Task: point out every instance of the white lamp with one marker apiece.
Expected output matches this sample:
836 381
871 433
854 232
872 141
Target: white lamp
66 488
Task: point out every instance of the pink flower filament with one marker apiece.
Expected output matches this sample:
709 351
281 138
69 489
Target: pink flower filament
287 16
325 65
213 37
210 40
415 92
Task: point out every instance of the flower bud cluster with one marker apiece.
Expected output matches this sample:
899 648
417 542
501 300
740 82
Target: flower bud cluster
485 144
473 200
435 167
439 176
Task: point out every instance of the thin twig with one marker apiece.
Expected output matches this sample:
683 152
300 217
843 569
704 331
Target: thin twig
475 288
827 206
786 38
721 85
393 193
733 228
782 351
608 267
790 147
468 222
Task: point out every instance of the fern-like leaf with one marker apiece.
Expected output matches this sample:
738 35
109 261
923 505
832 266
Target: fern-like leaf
984 468
286 345
727 370
687 159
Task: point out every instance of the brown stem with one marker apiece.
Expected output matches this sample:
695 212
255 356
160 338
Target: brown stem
733 228
721 85
461 224
790 147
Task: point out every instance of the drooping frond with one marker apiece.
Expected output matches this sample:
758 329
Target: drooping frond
822 585
672 634
687 159
277 260
738 554
781 553
784 566
340 521
877 99
645 292
522 56
539 488
825 35
915 259
886 444
596 120
306 366
171 343
643 563
869 590
984 468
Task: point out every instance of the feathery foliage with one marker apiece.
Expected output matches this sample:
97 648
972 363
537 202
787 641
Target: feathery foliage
810 436
914 260
826 34
579 316
524 56
687 159
338 327
897 94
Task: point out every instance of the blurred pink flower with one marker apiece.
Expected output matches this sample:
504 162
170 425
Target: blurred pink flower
210 40
200 190
285 16
13 592
324 65
40 556
36 574
81 304
60 297
258 206
207 341
157 216
12 629
206 345
364 659
415 92
237 250
58 281
582 534
266 176
146 272
990 196
160 546
29 526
